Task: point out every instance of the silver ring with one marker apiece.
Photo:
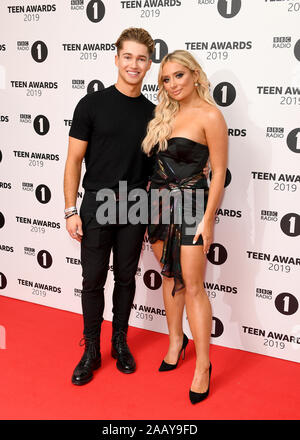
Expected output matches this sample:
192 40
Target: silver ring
74 234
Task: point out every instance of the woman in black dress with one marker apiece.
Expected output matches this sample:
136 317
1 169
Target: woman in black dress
187 129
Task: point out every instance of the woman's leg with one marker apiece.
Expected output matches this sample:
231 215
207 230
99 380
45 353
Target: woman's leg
198 310
174 311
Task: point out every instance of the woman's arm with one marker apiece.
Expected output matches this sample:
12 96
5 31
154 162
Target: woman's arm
217 141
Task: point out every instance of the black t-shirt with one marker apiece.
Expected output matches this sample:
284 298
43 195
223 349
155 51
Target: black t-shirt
114 125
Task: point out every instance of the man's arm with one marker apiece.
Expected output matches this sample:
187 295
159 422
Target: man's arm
76 152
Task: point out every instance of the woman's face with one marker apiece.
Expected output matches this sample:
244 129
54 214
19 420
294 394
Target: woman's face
178 80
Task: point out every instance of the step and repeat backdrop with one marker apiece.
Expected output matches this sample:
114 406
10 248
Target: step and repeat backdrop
53 53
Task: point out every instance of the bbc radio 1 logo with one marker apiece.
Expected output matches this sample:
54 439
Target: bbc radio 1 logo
77 5
41 123
39 51
290 224
282 42
42 192
297 50
217 254
217 328
78 84
286 303
3 281
160 50
275 132
95 86
2 220
293 140
229 8
44 259
226 8
224 94
152 279
95 11
22 45
285 43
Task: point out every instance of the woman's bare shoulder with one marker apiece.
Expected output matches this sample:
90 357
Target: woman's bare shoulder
210 114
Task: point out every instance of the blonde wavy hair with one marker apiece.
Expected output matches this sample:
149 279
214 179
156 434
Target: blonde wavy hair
159 128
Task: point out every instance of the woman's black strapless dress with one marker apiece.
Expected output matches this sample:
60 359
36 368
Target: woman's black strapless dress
179 169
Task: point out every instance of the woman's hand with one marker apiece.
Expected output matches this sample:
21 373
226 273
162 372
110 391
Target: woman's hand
206 170
205 228
74 227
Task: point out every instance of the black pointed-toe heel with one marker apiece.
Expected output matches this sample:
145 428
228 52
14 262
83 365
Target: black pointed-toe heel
198 397
168 367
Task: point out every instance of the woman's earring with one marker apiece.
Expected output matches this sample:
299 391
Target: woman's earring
196 84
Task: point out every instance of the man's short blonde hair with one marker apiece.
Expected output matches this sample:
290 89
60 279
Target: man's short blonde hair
139 35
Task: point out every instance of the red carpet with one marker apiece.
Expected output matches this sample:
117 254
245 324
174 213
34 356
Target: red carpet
42 350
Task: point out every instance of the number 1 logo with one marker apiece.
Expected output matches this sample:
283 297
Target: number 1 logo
44 259
160 50
152 279
217 254
290 224
217 328
95 86
41 125
95 11
43 194
297 50
293 140
39 51
229 8
3 281
224 94
286 303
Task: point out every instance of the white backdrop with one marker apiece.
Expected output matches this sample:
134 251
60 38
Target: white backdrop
52 54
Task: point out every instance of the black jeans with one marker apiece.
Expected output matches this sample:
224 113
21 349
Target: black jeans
98 240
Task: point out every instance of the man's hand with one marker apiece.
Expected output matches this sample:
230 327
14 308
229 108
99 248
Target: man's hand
74 227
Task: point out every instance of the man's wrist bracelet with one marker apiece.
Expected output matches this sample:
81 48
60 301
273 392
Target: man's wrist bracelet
71 209
70 215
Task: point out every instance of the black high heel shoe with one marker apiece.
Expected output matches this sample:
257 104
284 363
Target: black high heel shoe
198 397
168 367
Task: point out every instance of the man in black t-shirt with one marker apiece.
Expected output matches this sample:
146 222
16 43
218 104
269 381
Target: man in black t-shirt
107 131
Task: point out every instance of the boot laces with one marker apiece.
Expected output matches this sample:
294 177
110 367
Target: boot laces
90 345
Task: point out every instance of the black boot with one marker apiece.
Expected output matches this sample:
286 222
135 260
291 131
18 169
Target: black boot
121 352
90 361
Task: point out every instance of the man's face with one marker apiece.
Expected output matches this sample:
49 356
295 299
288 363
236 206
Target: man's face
133 62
